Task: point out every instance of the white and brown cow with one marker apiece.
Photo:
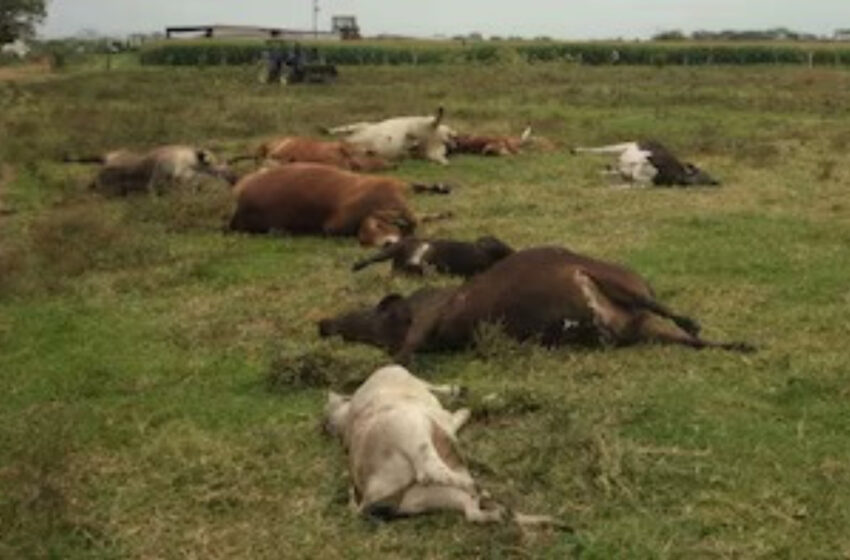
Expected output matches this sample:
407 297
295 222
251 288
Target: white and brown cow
399 137
402 450
124 171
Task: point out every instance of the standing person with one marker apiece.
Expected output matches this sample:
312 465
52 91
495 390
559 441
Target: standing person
295 61
275 59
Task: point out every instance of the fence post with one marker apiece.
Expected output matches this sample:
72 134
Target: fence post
811 59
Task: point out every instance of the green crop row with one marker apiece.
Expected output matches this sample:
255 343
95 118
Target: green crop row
214 52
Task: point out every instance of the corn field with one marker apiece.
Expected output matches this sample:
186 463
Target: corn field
221 52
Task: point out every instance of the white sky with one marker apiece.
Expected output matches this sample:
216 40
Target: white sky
560 19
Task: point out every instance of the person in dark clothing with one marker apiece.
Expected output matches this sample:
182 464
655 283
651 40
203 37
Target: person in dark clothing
275 60
295 62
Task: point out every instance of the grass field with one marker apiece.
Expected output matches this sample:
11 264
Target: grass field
158 377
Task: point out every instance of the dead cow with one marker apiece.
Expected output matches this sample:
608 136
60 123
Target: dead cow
649 162
446 256
402 450
400 137
293 149
309 198
490 145
547 294
124 172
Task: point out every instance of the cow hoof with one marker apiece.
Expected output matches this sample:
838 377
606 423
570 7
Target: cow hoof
689 325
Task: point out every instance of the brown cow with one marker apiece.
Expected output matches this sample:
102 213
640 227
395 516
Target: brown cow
313 198
292 149
549 294
490 145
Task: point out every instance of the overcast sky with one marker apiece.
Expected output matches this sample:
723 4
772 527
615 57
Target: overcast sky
561 19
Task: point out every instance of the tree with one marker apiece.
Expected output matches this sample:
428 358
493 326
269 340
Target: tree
18 18
672 35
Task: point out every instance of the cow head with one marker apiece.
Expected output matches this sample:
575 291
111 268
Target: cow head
385 228
694 176
443 135
384 325
494 247
209 164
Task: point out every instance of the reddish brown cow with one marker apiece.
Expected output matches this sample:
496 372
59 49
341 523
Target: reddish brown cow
292 149
312 198
490 145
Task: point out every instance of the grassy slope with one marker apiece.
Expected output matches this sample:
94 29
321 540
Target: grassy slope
135 340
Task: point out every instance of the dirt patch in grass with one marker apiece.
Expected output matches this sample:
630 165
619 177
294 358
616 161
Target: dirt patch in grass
316 368
24 71
514 402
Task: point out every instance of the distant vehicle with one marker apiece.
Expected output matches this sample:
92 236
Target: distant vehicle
295 65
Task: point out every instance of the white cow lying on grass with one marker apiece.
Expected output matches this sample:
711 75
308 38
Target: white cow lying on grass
400 137
402 451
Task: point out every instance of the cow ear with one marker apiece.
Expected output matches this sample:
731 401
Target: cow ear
389 301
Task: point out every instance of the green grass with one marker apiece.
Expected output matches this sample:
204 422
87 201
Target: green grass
159 378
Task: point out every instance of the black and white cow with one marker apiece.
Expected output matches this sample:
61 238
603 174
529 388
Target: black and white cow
649 162
446 256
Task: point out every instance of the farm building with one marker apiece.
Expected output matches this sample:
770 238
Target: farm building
345 26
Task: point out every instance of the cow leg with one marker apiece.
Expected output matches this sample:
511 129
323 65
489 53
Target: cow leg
431 470
658 331
613 323
154 185
248 219
385 484
435 188
612 149
447 390
347 129
460 417
626 327
429 466
418 333
435 217
438 154
341 223
422 499
690 326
